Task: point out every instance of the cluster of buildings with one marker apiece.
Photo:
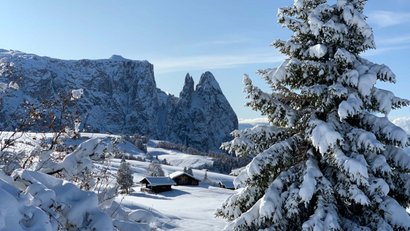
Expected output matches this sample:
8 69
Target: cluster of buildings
157 184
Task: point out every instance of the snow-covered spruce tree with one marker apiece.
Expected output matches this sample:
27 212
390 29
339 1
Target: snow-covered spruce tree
124 176
329 161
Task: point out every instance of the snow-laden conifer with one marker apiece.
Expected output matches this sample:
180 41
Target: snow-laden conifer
124 176
331 160
190 171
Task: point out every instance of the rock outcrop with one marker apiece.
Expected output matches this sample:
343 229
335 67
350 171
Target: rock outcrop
201 117
120 96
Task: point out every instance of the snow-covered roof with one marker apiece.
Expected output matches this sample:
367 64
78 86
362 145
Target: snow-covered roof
158 180
227 184
180 173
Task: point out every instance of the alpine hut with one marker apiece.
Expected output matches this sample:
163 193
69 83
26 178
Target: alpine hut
183 178
156 184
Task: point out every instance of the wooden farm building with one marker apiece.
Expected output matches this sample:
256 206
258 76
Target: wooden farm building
183 178
156 184
226 184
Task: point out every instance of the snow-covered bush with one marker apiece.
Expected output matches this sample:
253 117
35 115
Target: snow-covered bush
77 166
155 169
73 164
55 116
327 162
37 201
140 142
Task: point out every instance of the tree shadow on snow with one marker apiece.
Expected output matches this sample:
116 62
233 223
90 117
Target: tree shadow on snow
157 153
149 195
174 193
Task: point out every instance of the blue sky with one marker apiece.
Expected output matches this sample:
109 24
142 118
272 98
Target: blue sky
228 38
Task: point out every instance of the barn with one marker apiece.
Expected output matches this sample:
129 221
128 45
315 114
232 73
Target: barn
226 184
183 178
156 184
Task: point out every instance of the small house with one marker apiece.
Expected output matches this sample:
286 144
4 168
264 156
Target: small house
226 184
156 184
183 178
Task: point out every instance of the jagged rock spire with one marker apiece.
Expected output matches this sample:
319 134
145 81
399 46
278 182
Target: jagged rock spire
188 88
207 82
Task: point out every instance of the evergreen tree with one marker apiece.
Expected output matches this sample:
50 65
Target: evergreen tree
189 171
206 179
124 176
328 161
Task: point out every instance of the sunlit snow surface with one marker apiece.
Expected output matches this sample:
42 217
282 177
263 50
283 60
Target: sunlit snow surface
184 207
26 198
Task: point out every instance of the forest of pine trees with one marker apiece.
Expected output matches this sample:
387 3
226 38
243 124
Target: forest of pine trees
331 159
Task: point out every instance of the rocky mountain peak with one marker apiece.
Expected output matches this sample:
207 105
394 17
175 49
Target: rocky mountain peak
120 96
204 109
207 82
118 58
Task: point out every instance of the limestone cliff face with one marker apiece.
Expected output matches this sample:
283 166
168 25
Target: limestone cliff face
203 117
120 96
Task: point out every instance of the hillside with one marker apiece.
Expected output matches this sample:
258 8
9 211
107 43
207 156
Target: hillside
185 206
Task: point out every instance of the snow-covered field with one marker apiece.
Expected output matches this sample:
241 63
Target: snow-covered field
187 207
183 208
180 159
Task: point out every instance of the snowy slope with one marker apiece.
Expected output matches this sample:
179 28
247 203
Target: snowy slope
176 158
248 123
32 192
187 207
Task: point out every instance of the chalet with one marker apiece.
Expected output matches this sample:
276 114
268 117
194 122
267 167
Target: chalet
226 184
183 178
156 184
